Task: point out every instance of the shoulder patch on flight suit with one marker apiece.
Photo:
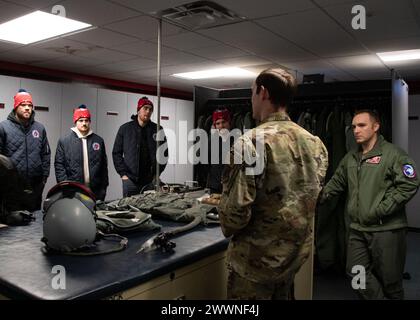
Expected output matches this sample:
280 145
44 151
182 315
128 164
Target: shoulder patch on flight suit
374 160
409 171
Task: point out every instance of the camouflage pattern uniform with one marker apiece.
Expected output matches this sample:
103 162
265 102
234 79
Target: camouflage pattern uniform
270 214
171 206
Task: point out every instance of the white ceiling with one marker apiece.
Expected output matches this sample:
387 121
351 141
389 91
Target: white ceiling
305 36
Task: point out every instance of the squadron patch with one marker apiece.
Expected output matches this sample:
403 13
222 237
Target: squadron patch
35 134
409 171
374 160
96 146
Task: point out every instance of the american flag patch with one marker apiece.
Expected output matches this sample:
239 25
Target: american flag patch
374 160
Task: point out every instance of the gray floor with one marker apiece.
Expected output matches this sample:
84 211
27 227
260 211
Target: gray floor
333 286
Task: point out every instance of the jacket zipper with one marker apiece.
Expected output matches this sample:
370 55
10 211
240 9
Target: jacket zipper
358 178
359 167
26 151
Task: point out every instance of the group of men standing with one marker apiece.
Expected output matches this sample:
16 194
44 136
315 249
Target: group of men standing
268 213
81 154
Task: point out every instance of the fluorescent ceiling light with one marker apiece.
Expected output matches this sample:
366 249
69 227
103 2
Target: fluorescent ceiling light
216 73
38 26
399 55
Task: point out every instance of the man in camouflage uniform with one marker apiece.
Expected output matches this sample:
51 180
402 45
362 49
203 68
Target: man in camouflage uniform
269 213
378 179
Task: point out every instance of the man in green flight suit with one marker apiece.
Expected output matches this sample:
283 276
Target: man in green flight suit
379 179
269 212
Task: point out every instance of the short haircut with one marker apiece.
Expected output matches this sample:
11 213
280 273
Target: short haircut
372 113
281 85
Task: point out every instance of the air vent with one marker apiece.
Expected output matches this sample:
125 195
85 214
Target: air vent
200 15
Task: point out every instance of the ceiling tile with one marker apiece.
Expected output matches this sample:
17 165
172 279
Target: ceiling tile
326 3
244 61
102 38
6 46
190 67
68 63
96 12
252 10
151 6
220 51
105 56
385 22
319 34
394 44
255 39
129 65
143 27
9 11
188 40
139 48
36 4
28 55
178 57
143 73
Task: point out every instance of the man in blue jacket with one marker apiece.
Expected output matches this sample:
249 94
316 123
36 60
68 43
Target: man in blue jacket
25 142
81 156
135 150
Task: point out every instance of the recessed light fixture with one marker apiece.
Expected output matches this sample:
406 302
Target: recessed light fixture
38 26
216 73
399 55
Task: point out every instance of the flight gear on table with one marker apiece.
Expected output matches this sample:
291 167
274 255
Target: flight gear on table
171 206
70 222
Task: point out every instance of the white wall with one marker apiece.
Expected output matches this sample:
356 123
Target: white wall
61 99
8 88
112 113
413 207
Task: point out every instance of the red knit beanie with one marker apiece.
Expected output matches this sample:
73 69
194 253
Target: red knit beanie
81 112
144 102
221 114
21 97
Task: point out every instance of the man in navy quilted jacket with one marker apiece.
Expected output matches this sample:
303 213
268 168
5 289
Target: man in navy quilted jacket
25 142
81 155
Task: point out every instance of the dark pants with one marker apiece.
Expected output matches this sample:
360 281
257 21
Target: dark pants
33 198
239 288
130 188
382 254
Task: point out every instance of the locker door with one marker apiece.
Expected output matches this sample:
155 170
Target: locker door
48 95
184 124
9 86
111 114
167 121
73 96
